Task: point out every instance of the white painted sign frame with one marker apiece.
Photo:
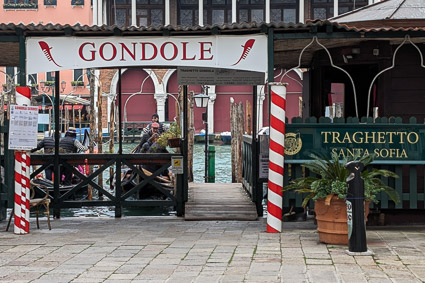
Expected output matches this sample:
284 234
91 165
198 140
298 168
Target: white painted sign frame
239 52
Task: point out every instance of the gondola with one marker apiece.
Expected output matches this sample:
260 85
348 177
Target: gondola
130 179
82 193
45 183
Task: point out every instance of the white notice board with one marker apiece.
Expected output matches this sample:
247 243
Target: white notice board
44 119
23 126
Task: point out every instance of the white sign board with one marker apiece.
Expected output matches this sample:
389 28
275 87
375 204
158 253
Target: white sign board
44 119
209 76
177 164
23 126
238 52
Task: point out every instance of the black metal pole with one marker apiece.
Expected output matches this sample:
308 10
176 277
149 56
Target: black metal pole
182 183
257 190
119 113
118 188
355 208
56 169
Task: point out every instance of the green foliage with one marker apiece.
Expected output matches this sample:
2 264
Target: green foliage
329 177
173 132
77 83
20 5
49 83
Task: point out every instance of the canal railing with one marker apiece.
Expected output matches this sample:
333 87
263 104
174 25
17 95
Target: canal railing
250 178
113 195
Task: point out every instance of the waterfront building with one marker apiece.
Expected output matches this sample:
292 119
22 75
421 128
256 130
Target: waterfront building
155 89
74 83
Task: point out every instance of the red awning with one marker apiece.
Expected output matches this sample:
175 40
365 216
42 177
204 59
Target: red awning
67 107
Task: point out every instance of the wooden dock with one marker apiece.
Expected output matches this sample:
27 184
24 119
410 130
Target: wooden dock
218 201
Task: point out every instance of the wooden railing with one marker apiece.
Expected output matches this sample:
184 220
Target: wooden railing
112 196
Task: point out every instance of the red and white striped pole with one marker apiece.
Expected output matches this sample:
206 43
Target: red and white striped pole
22 175
276 156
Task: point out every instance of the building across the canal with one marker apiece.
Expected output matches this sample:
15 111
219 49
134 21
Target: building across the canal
146 91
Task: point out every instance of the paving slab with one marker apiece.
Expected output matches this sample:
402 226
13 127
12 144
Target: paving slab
169 249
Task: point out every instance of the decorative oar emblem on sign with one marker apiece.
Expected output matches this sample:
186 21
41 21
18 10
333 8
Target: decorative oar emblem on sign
293 143
246 48
46 50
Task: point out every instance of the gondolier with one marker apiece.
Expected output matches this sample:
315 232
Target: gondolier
48 143
70 144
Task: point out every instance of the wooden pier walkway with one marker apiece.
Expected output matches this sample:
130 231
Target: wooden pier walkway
219 201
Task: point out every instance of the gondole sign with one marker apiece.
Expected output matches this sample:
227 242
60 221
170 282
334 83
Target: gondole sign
386 142
247 52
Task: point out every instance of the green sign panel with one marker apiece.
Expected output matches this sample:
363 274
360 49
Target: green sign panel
388 142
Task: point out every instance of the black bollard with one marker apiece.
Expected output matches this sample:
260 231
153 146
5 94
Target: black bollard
355 208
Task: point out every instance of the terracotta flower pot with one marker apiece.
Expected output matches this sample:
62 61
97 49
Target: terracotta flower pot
174 142
332 220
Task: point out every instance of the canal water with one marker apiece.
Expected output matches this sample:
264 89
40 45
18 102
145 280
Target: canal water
222 175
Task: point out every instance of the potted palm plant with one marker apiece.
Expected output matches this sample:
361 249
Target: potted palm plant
327 186
171 137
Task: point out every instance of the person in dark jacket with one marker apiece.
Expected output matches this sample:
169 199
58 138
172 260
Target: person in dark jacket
146 146
155 119
70 144
48 144
146 136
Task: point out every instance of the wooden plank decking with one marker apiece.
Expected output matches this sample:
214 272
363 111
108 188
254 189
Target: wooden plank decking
213 201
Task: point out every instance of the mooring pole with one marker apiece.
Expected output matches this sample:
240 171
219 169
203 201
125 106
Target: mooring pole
355 208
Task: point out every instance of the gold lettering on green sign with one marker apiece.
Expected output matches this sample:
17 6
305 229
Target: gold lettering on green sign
369 137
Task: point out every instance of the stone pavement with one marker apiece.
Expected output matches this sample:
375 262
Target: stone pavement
169 249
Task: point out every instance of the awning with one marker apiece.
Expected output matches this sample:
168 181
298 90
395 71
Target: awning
66 106
71 99
64 99
47 107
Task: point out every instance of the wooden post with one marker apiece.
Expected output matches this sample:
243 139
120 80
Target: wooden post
240 132
50 124
190 137
73 116
111 140
79 119
99 139
92 121
248 117
237 131
233 135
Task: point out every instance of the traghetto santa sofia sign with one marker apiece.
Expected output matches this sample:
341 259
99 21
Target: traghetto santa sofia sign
248 52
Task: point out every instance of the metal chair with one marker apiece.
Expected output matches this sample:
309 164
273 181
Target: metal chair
37 203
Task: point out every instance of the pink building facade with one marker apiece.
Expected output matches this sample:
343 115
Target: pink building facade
147 91
73 82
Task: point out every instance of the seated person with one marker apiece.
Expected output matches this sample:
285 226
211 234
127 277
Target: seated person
148 135
157 148
155 119
146 146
